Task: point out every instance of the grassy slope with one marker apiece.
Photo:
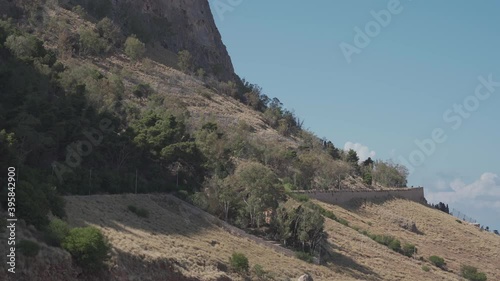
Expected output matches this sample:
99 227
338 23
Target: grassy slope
440 235
177 235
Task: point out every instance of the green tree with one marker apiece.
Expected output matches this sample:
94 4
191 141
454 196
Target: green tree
88 247
25 47
367 178
332 150
109 31
260 191
134 48
91 43
352 157
390 174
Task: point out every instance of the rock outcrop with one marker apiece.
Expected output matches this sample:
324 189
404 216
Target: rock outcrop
305 277
178 25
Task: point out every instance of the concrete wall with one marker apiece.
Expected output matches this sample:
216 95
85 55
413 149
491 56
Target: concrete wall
343 196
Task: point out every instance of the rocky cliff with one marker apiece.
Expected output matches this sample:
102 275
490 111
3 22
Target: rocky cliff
178 25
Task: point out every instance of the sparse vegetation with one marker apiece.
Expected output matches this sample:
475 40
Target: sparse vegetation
88 247
426 268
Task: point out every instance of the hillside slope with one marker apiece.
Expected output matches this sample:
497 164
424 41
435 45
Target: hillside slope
180 242
179 235
436 234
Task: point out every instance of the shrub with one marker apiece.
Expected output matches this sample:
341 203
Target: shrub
239 262
141 212
185 61
88 247
142 90
437 261
28 248
91 43
342 221
459 221
304 256
134 48
409 250
56 231
259 271
426 268
301 197
200 73
471 273
395 245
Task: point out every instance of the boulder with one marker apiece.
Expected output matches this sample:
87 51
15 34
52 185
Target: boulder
305 277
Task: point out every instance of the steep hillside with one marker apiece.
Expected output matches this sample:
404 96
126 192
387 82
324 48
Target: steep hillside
175 243
180 242
436 233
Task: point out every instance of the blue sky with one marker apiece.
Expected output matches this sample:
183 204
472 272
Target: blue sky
418 77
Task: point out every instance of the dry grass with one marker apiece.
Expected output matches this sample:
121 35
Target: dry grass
174 232
440 235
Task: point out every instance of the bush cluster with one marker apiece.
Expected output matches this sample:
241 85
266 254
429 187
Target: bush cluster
55 232
471 273
88 248
239 262
437 261
134 48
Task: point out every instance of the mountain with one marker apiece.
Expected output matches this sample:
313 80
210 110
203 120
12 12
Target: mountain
130 163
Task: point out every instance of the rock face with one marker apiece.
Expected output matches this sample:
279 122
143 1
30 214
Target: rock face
178 25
